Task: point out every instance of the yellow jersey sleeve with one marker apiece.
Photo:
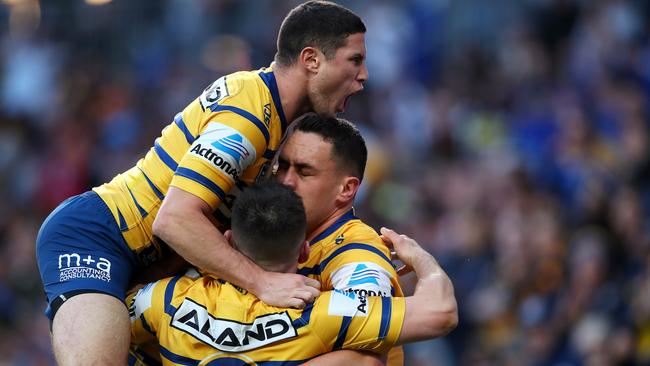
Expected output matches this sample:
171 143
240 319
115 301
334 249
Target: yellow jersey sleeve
362 265
345 320
231 138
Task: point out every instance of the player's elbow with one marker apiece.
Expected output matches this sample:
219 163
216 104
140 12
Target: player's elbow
448 313
442 308
449 322
163 224
441 322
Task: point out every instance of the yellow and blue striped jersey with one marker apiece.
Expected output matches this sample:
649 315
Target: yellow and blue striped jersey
220 143
204 321
350 256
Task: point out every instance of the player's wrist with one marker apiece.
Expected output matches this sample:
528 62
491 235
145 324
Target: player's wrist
424 264
258 283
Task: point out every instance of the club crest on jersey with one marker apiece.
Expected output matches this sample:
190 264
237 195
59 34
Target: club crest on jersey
231 336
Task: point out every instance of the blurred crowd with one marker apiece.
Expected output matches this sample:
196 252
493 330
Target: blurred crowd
509 137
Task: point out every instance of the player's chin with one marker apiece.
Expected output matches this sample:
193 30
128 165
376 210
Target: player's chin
331 112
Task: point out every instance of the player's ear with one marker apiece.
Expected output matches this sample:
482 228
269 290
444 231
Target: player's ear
310 58
228 236
348 188
305 249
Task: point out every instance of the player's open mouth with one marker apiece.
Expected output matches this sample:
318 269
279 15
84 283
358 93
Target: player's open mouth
345 102
347 99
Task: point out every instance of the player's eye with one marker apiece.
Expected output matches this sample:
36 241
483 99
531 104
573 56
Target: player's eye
358 60
283 165
305 172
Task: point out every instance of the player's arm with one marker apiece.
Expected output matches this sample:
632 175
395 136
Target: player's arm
348 357
432 310
183 223
364 268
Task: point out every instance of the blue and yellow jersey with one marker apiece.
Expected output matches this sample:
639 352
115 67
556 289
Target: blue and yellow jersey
350 256
203 321
219 143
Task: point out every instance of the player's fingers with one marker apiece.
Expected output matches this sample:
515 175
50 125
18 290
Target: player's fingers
312 283
309 296
309 293
387 242
299 300
313 292
393 235
389 234
296 303
404 270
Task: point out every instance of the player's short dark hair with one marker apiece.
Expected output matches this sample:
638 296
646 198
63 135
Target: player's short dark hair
320 24
348 146
269 223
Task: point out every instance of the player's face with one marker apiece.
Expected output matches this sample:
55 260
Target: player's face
339 77
306 165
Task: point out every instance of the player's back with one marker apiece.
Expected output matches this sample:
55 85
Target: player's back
198 321
204 158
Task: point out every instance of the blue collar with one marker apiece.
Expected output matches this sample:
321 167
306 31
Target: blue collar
269 81
348 216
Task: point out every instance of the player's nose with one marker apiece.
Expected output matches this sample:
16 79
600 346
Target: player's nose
287 179
363 74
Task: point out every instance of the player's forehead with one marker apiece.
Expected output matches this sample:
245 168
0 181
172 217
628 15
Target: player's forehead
354 44
306 147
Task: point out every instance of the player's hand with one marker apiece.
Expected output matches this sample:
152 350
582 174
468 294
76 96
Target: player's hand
288 290
403 248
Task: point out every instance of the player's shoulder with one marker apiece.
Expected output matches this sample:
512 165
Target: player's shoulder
356 243
357 231
236 89
245 81
353 243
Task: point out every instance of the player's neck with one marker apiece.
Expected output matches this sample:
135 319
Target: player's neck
329 221
292 88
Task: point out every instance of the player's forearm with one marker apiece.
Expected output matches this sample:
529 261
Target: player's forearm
432 310
195 238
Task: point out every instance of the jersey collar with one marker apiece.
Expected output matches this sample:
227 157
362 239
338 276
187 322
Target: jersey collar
269 81
348 216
